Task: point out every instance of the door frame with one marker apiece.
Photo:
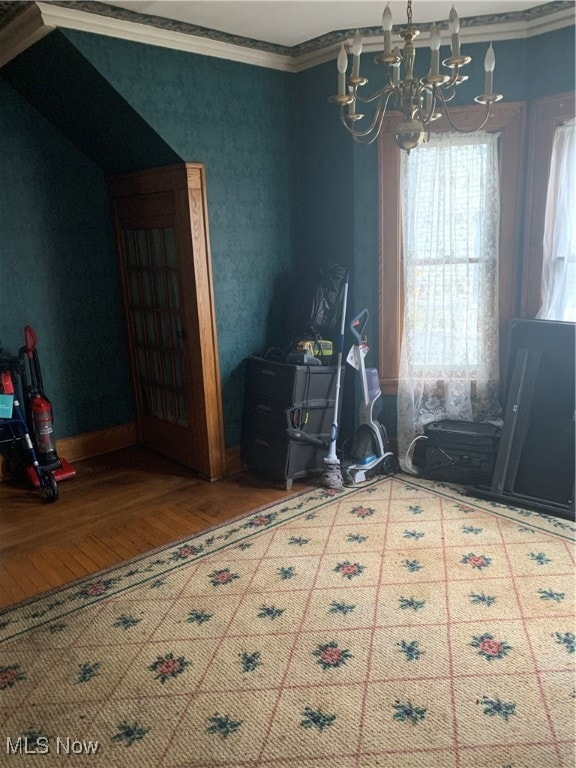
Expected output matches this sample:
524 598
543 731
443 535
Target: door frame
187 182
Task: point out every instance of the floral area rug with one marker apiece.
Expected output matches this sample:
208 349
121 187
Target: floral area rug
393 624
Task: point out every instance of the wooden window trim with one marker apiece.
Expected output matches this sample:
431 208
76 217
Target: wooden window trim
545 115
509 120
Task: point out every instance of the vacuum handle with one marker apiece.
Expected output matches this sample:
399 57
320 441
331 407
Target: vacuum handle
36 386
31 340
358 325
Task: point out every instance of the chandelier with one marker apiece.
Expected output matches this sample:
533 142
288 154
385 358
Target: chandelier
419 101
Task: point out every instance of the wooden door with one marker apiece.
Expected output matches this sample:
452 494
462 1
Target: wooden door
162 235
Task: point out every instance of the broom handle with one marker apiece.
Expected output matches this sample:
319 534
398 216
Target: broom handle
334 431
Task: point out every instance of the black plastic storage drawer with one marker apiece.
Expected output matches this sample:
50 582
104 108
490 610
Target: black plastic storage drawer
290 383
271 418
283 459
279 397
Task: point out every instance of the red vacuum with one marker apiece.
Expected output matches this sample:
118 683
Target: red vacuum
39 413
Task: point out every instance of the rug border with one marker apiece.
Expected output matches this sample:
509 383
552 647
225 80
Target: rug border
16 607
122 569
149 553
497 508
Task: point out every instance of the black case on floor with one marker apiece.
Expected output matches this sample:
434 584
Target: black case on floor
461 451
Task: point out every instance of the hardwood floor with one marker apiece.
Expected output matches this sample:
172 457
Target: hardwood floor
119 505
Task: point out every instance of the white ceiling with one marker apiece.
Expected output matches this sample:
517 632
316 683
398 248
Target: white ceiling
292 22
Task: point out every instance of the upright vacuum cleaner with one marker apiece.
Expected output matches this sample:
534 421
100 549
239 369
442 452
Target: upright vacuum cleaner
369 453
332 475
38 410
16 446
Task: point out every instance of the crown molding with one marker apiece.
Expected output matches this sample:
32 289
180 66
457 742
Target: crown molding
39 19
22 32
70 18
487 33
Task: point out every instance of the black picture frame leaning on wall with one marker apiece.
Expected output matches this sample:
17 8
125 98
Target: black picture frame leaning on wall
535 465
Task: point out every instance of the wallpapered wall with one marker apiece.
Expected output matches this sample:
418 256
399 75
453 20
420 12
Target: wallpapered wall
234 118
74 97
58 269
287 190
237 120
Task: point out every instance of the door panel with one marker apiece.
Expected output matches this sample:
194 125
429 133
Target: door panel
166 276
158 322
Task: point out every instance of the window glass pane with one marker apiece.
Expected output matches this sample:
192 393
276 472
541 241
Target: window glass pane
450 229
559 243
446 315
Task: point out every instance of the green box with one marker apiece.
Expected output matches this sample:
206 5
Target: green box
6 405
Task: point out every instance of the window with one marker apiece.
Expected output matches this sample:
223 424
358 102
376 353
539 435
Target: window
450 220
450 208
559 246
546 115
506 119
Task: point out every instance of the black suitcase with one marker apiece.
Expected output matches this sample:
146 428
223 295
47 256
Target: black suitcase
461 451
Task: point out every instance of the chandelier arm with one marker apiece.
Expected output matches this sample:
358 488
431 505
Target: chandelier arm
446 93
360 134
466 130
427 116
377 120
453 78
358 139
387 91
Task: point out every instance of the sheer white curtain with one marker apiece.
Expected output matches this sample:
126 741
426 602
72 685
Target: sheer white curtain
450 227
559 254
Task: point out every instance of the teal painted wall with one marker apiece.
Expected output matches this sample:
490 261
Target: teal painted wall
550 63
238 120
234 118
288 191
325 231
58 270
72 95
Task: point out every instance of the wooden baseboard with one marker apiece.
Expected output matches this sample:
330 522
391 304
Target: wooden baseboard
106 440
96 443
90 444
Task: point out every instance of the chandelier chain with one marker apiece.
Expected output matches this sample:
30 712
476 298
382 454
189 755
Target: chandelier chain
409 12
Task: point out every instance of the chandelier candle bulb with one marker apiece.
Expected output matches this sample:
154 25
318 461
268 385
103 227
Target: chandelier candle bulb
435 49
387 27
342 63
454 24
356 51
489 64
